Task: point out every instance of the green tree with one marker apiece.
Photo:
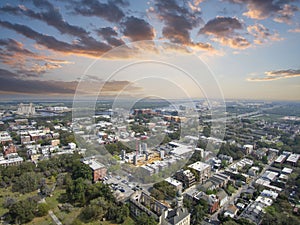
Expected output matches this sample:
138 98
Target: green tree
22 211
26 183
81 170
146 220
42 209
91 213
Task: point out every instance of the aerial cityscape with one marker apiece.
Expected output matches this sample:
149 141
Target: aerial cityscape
171 112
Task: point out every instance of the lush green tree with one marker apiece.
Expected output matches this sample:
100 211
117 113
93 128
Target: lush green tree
91 213
76 191
27 182
157 194
146 220
117 214
42 209
22 211
44 188
81 170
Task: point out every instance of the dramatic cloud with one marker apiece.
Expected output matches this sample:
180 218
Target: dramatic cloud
262 34
88 47
11 83
277 75
179 21
24 61
137 29
51 16
110 36
222 27
281 11
109 11
224 31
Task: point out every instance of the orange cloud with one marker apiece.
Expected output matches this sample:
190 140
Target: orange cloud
277 75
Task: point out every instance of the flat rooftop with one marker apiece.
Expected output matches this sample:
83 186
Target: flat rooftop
199 166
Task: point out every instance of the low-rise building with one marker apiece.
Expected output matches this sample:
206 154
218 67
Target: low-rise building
231 211
186 177
99 170
140 202
203 170
223 197
293 159
175 183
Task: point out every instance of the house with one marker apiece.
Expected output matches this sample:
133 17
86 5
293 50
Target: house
253 171
11 148
207 186
222 196
213 202
99 170
220 179
248 149
231 211
203 170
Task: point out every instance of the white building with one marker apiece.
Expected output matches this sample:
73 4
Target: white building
26 109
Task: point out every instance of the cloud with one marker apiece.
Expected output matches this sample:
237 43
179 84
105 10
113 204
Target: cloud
277 75
109 11
11 83
137 29
24 61
53 17
88 47
262 34
295 30
221 27
110 36
281 11
224 31
179 21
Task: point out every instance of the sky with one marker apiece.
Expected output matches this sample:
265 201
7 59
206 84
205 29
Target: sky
239 49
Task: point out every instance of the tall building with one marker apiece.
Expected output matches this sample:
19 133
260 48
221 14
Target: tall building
26 109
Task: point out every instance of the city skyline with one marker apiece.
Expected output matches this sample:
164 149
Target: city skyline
251 47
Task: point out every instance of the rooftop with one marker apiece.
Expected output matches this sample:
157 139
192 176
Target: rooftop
199 166
293 158
93 164
287 170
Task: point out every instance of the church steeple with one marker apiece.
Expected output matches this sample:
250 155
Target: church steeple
179 199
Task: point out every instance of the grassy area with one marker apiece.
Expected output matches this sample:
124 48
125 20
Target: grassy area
46 220
53 200
64 217
6 192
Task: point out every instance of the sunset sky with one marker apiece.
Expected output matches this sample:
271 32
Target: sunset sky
251 46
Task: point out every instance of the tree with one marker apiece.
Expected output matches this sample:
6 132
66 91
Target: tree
44 188
42 209
22 211
76 191
91 213
26 183
157 194
146 220
81 170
